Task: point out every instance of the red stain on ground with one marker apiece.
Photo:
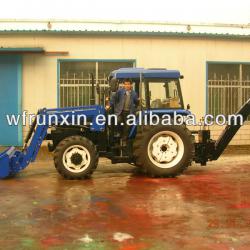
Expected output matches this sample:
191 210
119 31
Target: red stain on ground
52 241
134 246
204 177
218 246
213 223
193 210
51 208
241 205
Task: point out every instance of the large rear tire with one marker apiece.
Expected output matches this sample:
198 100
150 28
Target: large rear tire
163 151
76 157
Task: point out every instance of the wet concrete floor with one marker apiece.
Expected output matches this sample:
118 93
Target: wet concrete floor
206 208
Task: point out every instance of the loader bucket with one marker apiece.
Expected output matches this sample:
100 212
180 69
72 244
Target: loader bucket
5 162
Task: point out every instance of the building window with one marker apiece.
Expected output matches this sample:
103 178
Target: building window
228 87
76 79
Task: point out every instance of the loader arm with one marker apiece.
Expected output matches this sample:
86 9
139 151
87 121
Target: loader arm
13 161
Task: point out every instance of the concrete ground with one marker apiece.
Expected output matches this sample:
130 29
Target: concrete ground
206 208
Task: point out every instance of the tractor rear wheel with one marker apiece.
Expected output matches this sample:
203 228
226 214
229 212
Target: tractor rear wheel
76 157
163 151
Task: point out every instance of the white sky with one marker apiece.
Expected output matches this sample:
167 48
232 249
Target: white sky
209 11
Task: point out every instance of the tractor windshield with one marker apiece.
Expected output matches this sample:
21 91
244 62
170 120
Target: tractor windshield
163 94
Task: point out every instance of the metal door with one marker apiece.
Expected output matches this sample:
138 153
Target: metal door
10 99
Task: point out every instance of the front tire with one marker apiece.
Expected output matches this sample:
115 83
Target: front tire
75 157
164 151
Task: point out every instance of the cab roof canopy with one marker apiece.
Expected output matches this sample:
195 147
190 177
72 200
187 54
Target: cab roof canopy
137 73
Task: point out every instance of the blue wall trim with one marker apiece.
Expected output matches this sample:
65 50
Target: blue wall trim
228 62
22 49
58 83
131 33
19 91
206 89
97 60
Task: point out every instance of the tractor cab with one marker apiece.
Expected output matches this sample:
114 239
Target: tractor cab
158 89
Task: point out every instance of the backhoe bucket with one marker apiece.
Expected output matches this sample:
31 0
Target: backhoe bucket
5 162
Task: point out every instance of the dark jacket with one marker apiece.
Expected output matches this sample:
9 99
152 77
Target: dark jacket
118 99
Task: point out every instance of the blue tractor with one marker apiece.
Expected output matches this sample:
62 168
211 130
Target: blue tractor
160 150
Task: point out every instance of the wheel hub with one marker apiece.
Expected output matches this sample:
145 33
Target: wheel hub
164 149
76 158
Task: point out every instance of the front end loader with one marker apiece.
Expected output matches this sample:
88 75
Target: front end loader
13 161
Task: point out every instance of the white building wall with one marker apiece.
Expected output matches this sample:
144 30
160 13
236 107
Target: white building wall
189 55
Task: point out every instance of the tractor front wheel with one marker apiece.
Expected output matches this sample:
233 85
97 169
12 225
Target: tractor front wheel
75 157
